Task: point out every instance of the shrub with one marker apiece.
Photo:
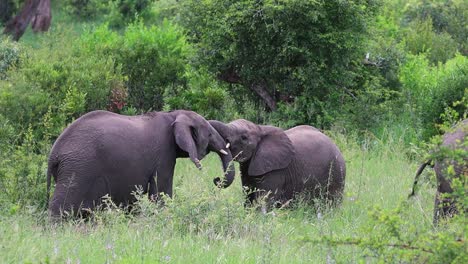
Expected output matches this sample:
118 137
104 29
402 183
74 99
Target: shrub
22 177
10 54
430 89
421 38
203 95
65 82
153 58
86 9
448 18
117 13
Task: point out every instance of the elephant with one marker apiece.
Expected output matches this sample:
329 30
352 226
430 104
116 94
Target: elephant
282 164
446 169
104 153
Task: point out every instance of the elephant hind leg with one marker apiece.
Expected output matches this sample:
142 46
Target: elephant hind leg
444 207
75 197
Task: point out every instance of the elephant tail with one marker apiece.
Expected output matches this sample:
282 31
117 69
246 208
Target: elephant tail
51 172
416 178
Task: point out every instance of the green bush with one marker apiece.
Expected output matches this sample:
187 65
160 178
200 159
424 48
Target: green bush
7 134
421 38
10 54
86 9
430 89
448 18
117 13
203 95
22 174
66 82
153 58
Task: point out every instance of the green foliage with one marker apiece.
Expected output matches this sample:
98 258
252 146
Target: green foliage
298 48
8 8
421 38
202 95
117 13
86 9
7 134
10 54
153 58
448 19
430 89
22 175
66 82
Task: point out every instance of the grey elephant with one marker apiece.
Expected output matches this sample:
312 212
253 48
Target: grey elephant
447 168
282 164
106 153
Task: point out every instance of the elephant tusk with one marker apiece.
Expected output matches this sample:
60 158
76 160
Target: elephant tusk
228 145
223 151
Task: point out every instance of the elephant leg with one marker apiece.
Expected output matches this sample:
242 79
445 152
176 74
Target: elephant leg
75 194
161 183
443 207
64 202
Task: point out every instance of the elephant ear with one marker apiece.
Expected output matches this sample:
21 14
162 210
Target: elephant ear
183 126
274 151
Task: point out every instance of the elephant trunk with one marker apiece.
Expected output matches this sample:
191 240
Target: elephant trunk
228 168
218 145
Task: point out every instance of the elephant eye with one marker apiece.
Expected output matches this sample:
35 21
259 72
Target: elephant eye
244 137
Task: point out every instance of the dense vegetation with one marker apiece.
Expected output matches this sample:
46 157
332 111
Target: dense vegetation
381 77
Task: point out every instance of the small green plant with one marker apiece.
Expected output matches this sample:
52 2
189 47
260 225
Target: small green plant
10 54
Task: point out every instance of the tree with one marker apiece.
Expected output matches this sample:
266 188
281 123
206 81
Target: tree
281 50
35 11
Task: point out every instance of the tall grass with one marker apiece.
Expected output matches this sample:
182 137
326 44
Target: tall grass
203 224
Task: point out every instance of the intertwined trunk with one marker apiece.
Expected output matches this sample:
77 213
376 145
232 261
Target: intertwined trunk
35 11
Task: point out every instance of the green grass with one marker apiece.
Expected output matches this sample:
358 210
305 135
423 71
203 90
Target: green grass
202 224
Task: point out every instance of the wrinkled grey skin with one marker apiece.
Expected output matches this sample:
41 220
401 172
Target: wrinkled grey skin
301 160
453 140
106 153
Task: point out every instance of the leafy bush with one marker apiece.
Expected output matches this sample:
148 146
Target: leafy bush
22 177
203 95
65 82
117 13
10 53
421 38
448 18
430 89
153 58
86 9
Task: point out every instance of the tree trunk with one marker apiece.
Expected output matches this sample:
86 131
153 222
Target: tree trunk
41 19
259 87
36 10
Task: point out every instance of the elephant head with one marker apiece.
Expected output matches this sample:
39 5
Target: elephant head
265 148
196 137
